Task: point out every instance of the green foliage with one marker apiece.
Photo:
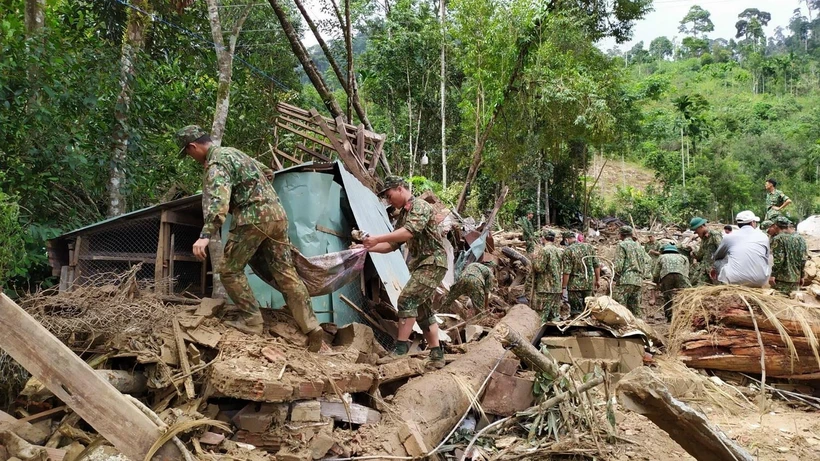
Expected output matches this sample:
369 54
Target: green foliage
11 239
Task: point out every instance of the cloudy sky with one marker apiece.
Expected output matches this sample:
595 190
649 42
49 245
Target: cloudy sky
668 13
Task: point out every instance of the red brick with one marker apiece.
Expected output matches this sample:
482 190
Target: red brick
309 390
506 395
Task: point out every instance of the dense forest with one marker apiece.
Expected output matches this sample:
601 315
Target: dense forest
473 95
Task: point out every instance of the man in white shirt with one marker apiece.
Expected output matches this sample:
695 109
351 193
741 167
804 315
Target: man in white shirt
743 256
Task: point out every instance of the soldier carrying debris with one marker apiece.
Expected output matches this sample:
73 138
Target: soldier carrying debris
787 254
709 242
546 278
416 225
629 271
581 269
476 281
237 184
528 232
671 273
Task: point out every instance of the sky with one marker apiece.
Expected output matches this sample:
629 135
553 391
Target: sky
665 19
668 13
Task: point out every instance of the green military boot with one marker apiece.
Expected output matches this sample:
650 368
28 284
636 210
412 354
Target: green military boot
251 324
435 361
401 349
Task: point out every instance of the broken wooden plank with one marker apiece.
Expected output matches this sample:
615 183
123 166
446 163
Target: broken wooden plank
77 385
357 414
367 317
642 392
182 354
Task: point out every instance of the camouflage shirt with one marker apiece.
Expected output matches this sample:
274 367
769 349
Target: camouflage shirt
670 263
480 272
237 184
788 258
653 246
708 247
630 260
426 247
774 198
547 269
575 258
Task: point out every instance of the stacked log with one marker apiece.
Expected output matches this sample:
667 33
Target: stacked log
728 340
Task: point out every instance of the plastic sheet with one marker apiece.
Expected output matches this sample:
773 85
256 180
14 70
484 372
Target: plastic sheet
322 274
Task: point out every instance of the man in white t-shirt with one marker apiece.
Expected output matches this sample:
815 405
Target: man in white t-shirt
743 256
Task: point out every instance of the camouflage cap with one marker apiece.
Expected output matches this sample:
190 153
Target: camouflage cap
782 222
187 135
766 224
696 222
625 230
568 234
549 233
669 249
390 182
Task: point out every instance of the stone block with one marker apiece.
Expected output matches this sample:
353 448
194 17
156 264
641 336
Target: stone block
411 438
320 445
306 411
627 351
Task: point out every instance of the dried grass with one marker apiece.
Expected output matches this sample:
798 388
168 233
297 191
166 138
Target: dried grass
726 397
103 307
702 305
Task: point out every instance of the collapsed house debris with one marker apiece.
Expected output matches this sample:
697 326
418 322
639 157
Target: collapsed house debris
130 358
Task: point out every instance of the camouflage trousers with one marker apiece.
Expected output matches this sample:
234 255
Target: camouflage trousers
549 305
699 274
576 301
416 299
472 287
629 296
671 284
785 287
268 245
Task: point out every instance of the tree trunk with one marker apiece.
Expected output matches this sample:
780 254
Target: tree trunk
224 59
348 35
547 217
354 97
35 19
442 15
132 42
640 391
307 64
435 401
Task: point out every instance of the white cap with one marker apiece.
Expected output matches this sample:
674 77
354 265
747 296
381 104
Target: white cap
745 217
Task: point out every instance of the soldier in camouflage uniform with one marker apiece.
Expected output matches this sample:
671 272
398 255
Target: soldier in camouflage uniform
237 184
476 281
788 256
630 267
802 242
776 200
545 278
671 274
582 271
709 242
528 232
769 228
416 225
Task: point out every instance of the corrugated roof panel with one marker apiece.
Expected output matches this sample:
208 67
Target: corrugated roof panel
372 218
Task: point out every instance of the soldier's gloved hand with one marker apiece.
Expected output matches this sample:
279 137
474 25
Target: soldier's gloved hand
518 264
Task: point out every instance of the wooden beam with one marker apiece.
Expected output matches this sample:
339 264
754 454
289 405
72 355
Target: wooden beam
360 141
175 217
78 385
640 391
182 352
319 156
364 314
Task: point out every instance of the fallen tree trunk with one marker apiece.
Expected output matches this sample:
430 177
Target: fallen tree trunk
436 401
525 351
640 391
